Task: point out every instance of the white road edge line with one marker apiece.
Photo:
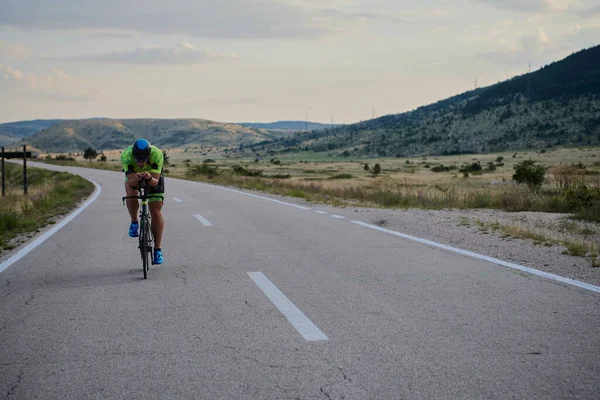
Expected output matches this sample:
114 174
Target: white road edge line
493 260
204 221
338 216
177 200
303 325
25 250
321 212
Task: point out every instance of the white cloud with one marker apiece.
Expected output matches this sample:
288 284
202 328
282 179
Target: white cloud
521 52
274 19
10 74
11 51
202 18
582 35
55 85
538 6
590 12
181 53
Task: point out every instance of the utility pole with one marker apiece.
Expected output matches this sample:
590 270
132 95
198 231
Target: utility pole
3 174
25 170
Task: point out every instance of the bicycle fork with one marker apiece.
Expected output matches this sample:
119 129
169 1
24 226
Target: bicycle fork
145 215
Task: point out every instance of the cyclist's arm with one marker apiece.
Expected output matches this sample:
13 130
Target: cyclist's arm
157 167
154 181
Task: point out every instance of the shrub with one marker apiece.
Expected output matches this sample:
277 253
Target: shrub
530 174
341 176
241 171
376 169
567 177
203 169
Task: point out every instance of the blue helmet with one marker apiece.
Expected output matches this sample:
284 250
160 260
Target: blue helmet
141 150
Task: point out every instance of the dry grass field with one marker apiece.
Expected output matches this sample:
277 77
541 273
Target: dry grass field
571 186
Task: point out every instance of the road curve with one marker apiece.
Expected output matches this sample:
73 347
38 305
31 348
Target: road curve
259 299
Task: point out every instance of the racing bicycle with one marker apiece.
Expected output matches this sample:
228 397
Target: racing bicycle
146 240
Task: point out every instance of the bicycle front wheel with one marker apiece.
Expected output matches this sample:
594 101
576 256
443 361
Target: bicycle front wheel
143 244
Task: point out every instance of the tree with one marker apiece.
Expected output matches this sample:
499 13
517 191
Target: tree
90 154
165 157
366 167
530 174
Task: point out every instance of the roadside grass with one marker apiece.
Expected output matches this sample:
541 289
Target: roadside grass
587 248
50 194
572 183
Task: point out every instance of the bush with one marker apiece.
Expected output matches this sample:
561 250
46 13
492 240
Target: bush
530 174
341 176
241 171
203 169
62 157
376 169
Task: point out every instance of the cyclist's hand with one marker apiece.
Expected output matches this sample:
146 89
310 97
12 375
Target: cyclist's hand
145 175
133 179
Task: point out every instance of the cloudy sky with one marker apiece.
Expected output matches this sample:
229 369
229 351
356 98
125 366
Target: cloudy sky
268 60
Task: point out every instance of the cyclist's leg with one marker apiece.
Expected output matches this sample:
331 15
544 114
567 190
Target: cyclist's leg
155 204
133 205
158 222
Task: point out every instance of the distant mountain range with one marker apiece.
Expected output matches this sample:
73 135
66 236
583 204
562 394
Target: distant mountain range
60 135
15 131
105 134
288 125
558 105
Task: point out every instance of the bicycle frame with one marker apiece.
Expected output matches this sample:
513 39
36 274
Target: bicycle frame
145 236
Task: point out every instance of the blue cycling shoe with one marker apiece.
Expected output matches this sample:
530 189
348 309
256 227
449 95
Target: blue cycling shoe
158 257
133 229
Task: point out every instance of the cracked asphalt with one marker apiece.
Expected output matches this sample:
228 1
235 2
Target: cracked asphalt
404 320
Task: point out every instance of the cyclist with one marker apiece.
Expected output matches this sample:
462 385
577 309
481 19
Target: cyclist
144 161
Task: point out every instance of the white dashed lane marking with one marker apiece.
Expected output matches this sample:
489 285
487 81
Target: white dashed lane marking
204 221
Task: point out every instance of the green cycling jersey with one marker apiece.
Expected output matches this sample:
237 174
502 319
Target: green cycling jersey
154 165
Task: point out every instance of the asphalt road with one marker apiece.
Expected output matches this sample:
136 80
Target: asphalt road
263 300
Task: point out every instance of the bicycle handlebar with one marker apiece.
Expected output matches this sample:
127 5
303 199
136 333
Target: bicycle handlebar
144 196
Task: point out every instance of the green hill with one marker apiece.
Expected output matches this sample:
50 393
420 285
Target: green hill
105 134
12 132
558 105
287 125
